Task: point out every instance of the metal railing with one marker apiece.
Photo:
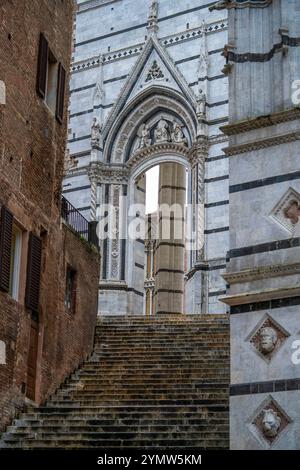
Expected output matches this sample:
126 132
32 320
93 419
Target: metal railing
74 218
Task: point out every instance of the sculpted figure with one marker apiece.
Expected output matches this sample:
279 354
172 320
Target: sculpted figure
268 339
161 133
177 134
271 423
144 135
153 10
201 104
95 132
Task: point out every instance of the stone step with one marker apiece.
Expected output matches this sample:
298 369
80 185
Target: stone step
53 421
130 408
133 398
134 401
151 383
83 428
174 443
178 388
123 435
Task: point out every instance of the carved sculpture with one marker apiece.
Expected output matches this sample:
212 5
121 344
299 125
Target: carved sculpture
96 132
144 136
177 134
201 105
155 72
270 423
292 211
267 339
161 133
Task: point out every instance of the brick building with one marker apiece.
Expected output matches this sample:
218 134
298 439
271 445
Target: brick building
48 272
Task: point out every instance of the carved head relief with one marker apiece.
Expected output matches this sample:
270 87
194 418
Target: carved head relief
287 210
269 421
267 338
292 211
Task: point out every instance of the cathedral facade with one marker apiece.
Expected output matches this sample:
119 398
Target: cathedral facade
149 89
205 91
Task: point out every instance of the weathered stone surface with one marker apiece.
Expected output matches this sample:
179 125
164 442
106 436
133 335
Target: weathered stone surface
149 383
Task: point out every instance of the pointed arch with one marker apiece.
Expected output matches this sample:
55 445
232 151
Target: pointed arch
154 100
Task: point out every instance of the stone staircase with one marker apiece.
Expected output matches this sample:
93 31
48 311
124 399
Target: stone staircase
150 383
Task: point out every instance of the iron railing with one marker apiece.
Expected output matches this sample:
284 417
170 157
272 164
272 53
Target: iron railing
74 218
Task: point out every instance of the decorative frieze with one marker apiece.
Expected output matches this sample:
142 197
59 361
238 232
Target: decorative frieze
165 148
108 174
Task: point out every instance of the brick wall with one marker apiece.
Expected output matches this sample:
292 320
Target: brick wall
32 148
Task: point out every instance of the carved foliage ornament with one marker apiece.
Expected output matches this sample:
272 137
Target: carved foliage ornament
155 72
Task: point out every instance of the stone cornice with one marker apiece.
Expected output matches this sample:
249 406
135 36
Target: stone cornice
262 121
229 4
260 295
262 143
217 139
262 272
168 148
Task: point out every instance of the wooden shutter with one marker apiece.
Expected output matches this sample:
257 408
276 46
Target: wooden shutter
60 97
33 273
6 231
42 67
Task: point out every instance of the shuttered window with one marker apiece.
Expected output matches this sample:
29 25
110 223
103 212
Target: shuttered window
33 273
60 98
6 232
42 66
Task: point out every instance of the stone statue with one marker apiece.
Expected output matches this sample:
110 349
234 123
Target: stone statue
177 134
201 105
144 136
153 10
270 423
161 133
267 339
96 132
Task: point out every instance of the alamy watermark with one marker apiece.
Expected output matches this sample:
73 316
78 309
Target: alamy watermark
296 354
176 222
296 92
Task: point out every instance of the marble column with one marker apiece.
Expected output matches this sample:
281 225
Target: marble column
169 279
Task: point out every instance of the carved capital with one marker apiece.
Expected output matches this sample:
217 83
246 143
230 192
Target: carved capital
105 173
